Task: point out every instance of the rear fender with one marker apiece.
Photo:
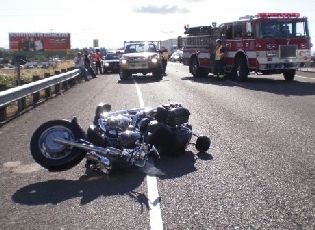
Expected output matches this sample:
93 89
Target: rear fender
77 128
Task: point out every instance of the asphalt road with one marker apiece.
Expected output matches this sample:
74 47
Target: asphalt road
258 174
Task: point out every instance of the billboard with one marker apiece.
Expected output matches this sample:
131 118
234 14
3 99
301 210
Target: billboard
32 42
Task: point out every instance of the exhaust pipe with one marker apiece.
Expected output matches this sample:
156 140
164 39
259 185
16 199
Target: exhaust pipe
108 151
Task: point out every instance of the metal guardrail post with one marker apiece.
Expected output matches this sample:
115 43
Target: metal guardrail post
3 113
65 84
47 90
36 95
72 81
57 86
3 109
21 102
20 93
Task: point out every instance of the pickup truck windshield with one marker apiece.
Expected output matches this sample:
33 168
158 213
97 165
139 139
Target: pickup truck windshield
140 48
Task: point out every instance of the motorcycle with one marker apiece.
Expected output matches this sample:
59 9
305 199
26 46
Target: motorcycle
115 140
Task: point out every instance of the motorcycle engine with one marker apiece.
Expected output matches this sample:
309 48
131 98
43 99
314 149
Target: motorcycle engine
128 139
118 122
119 132
170 133
172 114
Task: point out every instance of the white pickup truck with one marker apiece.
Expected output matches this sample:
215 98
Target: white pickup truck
140 57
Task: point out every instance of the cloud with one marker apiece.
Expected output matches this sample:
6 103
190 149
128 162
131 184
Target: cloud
193 0
165 9
167 31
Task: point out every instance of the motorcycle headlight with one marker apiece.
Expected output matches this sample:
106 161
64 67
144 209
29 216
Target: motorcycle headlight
106 64
123 61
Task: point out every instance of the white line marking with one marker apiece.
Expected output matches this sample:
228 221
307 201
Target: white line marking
305 77
141 102
156 222
234 83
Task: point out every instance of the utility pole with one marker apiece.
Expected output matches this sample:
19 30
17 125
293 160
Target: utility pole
18 70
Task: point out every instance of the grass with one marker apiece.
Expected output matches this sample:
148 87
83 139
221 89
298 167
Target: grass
8 76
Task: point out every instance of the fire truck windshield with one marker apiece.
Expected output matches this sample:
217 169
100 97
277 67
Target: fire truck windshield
282 29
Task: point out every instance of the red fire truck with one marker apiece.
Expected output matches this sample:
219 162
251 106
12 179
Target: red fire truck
266 43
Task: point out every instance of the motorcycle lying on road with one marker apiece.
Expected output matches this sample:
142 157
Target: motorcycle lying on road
119 139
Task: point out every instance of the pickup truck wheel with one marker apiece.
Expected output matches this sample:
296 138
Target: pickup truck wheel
289 74
124 75
158 74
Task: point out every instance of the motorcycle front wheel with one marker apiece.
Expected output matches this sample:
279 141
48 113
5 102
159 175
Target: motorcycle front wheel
51 155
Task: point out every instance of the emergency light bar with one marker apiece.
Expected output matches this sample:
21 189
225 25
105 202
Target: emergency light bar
140 42
274 15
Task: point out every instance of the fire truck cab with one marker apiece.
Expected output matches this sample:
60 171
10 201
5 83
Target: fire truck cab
266 43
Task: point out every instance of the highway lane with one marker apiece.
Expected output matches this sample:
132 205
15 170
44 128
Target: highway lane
35 199
263 138
259 172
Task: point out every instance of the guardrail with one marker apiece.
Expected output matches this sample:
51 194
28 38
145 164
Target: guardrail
20 93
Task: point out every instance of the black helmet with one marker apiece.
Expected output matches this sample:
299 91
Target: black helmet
218 41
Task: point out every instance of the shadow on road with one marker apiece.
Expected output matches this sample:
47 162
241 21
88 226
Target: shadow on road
174 167
141 79
90 187
276 86
87 187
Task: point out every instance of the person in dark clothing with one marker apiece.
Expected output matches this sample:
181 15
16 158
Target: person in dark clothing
87 64
219 62
164 58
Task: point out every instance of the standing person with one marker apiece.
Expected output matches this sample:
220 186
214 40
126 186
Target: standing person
219 62
164 56
97 57
87 64
79 64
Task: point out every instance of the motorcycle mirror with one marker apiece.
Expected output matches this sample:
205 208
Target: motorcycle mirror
107 107
102 108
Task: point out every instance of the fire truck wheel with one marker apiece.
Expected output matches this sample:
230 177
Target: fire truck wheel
196 70
240 71
289 75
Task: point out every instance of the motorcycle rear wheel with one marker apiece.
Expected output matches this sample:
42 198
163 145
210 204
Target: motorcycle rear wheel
51 155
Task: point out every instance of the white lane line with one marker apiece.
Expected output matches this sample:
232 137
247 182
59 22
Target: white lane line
141 102
305 77
156 222
233 82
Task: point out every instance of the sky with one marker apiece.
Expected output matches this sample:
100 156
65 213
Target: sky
114 21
